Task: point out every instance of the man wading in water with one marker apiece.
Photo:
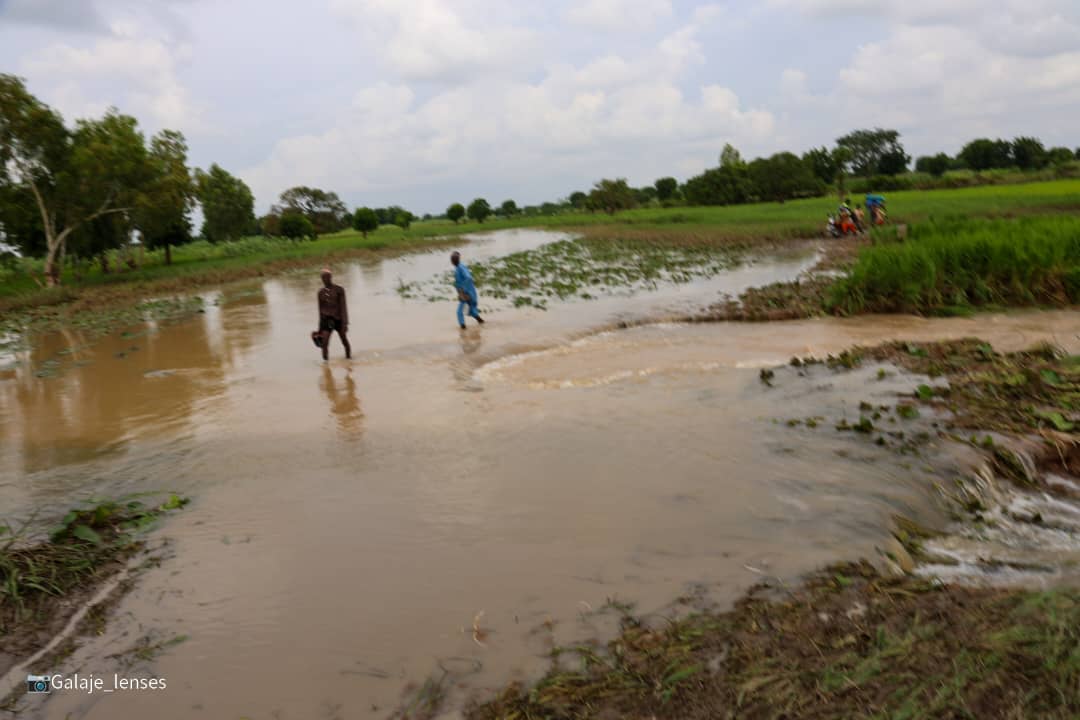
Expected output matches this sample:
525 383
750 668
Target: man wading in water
466 290
333 315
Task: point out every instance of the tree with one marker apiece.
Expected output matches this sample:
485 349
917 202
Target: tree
270 225
508 208
1060 156
985 154
666 187
455 212
730 157
74 176
868 148
162 212
1077 153
935 165
645 195
783 176
296 225
325 210
580 201
479 210
612 196
893 162
725 185
365 220
1028 153
822 163
227 203
403 219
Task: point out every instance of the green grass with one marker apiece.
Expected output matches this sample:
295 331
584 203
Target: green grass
201 262
959 263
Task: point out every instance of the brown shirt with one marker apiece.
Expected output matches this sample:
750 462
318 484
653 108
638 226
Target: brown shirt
332 303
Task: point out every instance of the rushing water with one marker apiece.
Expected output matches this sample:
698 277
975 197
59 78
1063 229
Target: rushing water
353 521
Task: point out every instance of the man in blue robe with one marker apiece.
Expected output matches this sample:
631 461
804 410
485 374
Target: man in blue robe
466 290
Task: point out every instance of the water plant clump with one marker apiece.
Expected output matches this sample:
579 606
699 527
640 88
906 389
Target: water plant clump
38 573
584 268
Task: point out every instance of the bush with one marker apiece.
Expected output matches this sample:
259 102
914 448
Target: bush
296 226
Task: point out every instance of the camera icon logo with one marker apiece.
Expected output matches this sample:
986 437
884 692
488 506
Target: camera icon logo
37 684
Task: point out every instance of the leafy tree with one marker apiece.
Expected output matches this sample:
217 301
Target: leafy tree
986 154
479 210
725 185
1060 156
841 160
822 163
1077 153
935 165
227 203
295 226
612 196
730 157
270 225
508 208
666 187
325 210
580 201
783 176
870 148
894 162
74 176
549 209
455 212
163 211
645 195
365 220
1028 153
389 215
403 219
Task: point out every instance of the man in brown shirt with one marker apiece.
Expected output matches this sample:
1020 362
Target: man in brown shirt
333 315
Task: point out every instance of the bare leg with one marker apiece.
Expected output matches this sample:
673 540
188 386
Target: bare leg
345 342
325 335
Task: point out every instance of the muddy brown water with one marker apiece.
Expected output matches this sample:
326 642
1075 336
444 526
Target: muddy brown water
351 522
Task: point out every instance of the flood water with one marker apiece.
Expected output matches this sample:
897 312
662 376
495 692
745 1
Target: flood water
352 521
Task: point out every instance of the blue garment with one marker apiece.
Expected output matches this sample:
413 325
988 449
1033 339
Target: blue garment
463 281
473 312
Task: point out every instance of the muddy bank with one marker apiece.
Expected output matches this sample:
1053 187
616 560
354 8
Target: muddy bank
849 643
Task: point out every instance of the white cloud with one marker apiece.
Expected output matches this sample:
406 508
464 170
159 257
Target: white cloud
619 15
434 40
74 78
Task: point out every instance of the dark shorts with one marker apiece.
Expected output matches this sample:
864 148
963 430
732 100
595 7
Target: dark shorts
328 324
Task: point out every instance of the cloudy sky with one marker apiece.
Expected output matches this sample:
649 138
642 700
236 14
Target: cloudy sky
426 102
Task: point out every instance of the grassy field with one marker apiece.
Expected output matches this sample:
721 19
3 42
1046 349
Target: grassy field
962 263
202 263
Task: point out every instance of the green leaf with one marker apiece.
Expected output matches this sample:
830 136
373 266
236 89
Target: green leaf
1051 378
680 675
1057 419
924 392
85 532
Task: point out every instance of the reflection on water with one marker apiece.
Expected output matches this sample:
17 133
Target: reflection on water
351 519
344 403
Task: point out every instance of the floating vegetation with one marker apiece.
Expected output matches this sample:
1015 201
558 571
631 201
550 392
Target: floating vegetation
581 268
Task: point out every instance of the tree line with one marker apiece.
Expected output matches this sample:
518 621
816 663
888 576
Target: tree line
77 192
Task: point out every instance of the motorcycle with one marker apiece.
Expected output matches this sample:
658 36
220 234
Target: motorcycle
839 227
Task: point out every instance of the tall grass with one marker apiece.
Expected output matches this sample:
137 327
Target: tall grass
961 262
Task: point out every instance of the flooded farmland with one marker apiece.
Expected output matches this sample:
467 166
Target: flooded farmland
451 502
